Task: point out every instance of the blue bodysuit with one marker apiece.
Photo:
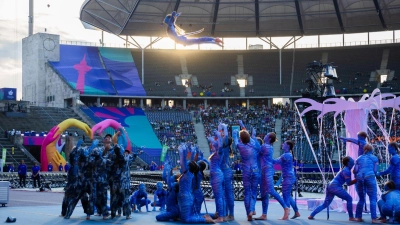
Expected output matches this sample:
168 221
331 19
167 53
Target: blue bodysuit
365 170
227 171
217 178
179 35
289 178
251 172
172 211
185 196
335 188
393 169
267 176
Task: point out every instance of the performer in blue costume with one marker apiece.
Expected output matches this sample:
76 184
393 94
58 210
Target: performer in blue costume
199 176
159 197
365 170
172 211
139 199
335 188
79 181
185 196
217 177
227 171
180 36
267 177
361 141
249 150
389 204
289 178
394 167
125 158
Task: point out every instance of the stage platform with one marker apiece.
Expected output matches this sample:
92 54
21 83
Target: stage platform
31 207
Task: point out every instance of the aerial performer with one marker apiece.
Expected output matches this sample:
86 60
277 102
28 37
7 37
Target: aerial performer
365 170
185 196
217 177
289 178
227 171
267 177
180 36
335 188
171 202
389 204
394 167
249 150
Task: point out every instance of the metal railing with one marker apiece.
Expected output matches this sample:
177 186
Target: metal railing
311 45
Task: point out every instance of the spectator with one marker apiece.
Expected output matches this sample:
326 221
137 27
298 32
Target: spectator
10 168
66 167
50 167
22 174
60 167
36 175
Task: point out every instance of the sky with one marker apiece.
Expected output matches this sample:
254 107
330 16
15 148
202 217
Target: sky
62 17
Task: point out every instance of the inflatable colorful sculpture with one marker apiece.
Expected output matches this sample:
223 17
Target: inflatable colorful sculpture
48 152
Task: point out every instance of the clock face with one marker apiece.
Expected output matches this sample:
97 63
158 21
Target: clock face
49 44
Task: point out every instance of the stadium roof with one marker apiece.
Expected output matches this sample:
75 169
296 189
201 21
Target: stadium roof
243 18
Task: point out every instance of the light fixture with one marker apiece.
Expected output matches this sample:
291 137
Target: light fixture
242 82
383 78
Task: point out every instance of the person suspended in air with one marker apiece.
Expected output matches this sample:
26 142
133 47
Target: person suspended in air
180 36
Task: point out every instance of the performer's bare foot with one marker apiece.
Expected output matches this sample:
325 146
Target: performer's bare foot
219 220
87 217
216 215
353 219
286 214
310 217
359 220
376 221
230 218
219 42
383 220
208 219
296 214
262 217
105 217
250 216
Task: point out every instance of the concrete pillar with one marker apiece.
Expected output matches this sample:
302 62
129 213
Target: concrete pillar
184 103
120 102
162 103
98 101
248 104
205 103
269 103
226 103
141 103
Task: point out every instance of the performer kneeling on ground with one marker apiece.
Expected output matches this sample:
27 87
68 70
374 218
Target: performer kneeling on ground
335 188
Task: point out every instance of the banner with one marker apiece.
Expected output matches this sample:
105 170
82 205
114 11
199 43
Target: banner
4 156
163 153
8 94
